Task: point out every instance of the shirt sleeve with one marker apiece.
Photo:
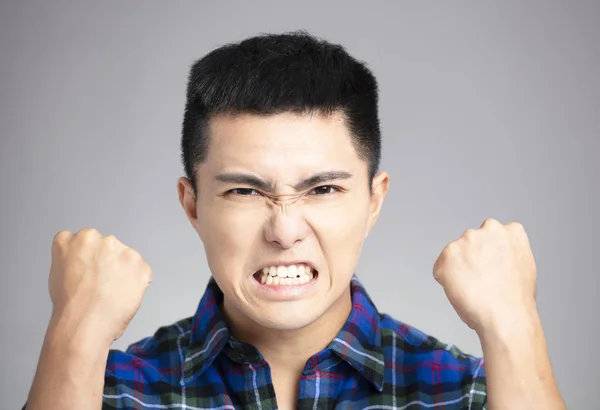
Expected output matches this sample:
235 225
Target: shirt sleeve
115 380
478 391
129 380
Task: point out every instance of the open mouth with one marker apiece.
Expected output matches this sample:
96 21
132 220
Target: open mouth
292 275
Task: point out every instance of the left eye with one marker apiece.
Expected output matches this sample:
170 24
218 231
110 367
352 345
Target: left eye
244 191
324 190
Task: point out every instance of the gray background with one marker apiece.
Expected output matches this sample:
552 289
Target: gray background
488 109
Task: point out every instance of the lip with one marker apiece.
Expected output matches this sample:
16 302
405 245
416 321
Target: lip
286 292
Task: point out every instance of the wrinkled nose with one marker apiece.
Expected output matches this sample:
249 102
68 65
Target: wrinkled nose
285 227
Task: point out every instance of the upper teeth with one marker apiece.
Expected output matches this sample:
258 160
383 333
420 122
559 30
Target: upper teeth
291 271
286 275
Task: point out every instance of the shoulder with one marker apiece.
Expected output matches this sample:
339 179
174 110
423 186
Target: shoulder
414 341
164 338
418 359
149 358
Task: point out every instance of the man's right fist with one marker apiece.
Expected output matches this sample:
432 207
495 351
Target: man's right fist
97 280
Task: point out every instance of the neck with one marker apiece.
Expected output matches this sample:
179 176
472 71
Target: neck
291 348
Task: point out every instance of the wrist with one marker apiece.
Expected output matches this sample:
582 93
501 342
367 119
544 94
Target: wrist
511 326
78 333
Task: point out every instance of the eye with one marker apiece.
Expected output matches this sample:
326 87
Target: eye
325 190
243 191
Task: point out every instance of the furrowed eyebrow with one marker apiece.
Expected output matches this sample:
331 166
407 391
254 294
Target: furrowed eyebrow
321 178
256 182
245 179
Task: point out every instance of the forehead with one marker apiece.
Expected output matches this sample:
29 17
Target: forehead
281 141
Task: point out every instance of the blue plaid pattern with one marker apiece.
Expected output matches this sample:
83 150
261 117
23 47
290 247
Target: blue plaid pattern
375 362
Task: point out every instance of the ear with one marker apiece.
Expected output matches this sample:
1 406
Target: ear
379 188
187 199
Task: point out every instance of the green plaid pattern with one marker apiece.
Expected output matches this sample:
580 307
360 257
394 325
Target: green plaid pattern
375 362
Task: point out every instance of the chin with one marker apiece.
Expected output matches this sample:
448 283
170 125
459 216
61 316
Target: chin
289 318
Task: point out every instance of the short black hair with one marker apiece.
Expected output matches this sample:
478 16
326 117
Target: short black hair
275 73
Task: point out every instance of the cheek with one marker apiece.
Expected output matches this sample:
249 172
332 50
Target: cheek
345 219
341 230
228 235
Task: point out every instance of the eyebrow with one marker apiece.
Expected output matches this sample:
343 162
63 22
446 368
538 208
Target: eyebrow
256 182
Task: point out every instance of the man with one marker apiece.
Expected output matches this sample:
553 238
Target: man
281 148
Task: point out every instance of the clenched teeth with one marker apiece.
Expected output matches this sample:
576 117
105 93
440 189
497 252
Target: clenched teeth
286 275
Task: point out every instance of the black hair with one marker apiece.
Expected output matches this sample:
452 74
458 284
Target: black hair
275 73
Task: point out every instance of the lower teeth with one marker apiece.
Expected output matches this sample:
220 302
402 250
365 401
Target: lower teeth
276 280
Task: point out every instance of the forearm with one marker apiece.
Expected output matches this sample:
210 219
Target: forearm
518 370
70 372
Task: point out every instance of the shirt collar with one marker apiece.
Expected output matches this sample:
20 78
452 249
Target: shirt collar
209 333
358 343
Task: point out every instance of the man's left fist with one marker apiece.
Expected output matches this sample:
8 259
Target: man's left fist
489 275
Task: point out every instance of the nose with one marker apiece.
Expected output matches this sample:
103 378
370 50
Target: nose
285 230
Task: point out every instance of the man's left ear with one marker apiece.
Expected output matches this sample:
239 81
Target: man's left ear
379 188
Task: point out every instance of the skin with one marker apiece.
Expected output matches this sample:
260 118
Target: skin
244 230
488 274
97 284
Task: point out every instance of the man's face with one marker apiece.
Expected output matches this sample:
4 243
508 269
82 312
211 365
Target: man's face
258 209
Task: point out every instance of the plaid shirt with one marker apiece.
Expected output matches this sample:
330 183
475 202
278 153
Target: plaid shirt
375 362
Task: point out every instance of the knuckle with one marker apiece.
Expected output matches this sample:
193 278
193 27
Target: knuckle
88 231
62 236
519 231
491 222
111 240
451 248
60 242
135 258
516 226
87 235
131 254
468 233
